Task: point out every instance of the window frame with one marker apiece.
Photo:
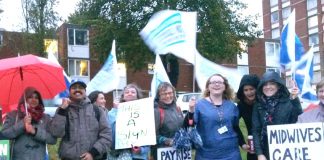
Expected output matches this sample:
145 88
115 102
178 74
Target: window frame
311 4
311 36
272 17
284 12
276 47
273 3
275 35
75 67
74 33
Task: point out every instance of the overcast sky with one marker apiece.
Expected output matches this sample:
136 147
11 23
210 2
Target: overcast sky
11 18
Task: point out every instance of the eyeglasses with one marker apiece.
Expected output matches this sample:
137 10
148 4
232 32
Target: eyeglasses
216 82
166 93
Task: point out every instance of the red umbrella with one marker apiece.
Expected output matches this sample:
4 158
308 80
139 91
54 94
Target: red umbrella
18 73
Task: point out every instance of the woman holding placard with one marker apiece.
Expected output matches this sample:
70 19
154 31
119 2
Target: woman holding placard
131 92
275 106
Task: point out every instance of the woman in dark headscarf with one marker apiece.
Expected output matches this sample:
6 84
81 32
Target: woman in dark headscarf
274 106
28 132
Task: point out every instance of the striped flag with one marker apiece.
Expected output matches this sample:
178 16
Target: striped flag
170 31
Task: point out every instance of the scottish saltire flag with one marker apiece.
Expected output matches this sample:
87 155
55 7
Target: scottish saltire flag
292 57
67 79
170 31
107 79
291 48
206 68
304 75
159 76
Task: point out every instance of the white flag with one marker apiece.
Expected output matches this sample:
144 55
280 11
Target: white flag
107 79
173 32
159 76
67 79
206 68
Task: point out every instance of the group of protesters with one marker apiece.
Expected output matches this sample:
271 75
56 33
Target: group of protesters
86 128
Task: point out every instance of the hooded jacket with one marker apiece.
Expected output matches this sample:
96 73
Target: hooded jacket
286 111
27 146
245 109
81 131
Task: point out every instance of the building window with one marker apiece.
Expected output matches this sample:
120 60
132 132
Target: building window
274 17
78 36
316 77
312 21
78 67
317 58
286 12
275 33
311 4
313 39
272 49
273 2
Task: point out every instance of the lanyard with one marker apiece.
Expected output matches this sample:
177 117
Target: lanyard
220 112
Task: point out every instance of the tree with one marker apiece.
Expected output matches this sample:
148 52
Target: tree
41 19
220 27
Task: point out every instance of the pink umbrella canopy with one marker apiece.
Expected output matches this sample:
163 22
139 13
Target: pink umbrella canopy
18 73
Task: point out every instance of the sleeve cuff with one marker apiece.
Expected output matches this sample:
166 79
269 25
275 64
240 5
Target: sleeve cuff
94 152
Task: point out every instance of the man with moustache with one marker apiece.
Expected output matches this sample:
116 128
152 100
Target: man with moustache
81 125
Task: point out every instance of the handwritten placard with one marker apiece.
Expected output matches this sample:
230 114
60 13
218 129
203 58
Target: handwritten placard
170 153
135 125
302 141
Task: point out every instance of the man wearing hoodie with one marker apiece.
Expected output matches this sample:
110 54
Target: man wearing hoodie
83 127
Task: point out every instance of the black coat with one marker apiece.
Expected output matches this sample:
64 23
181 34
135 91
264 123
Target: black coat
286 111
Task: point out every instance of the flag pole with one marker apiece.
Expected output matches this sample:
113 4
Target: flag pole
194 74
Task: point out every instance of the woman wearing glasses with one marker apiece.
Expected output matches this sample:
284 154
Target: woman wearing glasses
217 120
168 117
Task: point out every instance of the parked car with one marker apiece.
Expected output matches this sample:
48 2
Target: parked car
183 100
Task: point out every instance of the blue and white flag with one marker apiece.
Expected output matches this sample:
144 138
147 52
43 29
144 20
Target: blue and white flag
67 79
159 76
206 68
107 79
304 76
170 31
292 57
291 48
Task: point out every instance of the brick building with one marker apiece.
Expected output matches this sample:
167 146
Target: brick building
309 25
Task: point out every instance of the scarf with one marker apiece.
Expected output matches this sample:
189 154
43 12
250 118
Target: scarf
36 112
270 105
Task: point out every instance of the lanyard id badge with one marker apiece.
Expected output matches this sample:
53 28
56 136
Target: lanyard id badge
222 130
